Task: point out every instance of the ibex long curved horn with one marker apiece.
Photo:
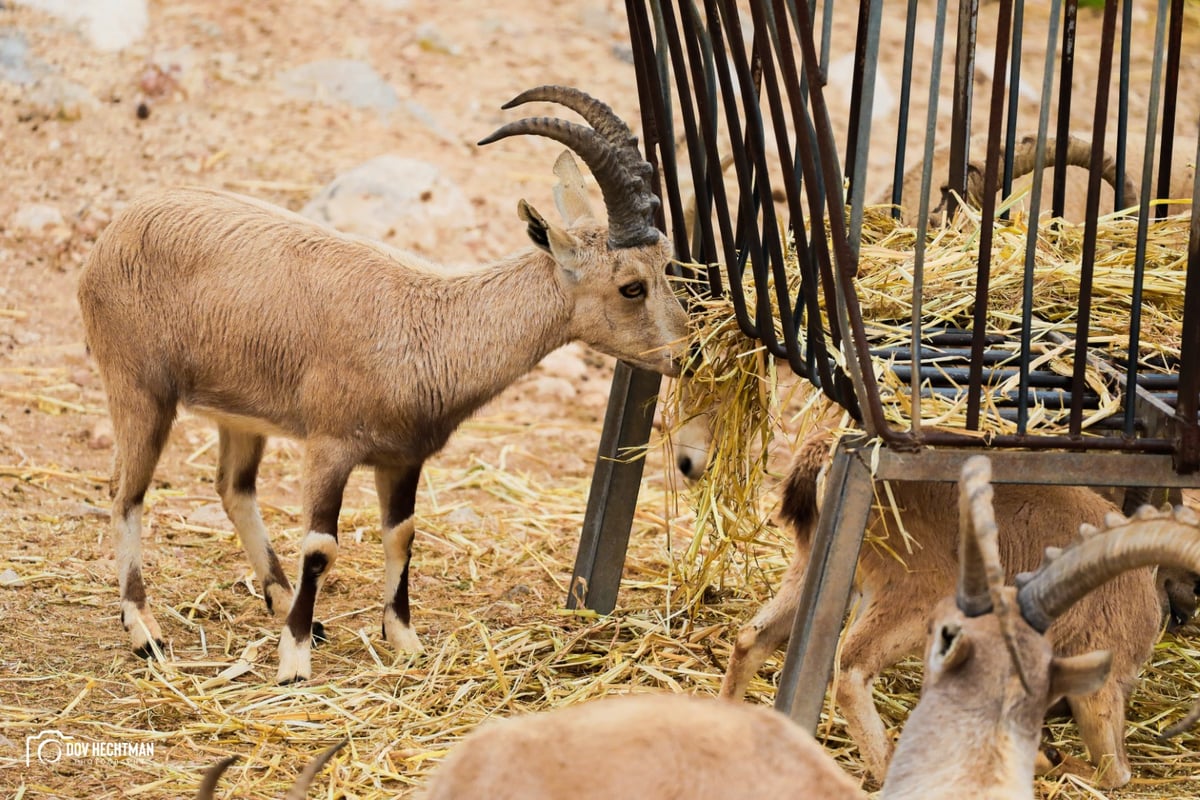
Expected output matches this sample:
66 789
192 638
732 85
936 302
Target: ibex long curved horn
211 775
299 789
978 549
1150 538
981 587
1078 154
621 172
597 113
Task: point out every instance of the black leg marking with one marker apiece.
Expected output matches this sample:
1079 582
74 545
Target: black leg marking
300 620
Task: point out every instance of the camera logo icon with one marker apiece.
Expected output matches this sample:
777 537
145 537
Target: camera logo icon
47 747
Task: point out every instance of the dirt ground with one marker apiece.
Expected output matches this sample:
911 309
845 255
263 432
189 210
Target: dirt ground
498 512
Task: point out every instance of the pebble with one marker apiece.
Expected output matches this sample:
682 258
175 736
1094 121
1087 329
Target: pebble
36 217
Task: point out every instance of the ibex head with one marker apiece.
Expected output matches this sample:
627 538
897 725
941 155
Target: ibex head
616 275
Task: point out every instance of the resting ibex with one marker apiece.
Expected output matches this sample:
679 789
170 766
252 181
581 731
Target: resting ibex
990 675
1122 616
273 325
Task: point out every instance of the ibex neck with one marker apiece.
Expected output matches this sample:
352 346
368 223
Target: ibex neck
985 762
499 323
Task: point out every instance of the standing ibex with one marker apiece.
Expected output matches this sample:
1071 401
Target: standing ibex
273 325
1122 616
990 674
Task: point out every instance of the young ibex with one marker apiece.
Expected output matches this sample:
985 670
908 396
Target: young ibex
990 675
1122 616
273 325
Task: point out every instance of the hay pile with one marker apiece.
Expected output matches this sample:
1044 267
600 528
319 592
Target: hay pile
732 503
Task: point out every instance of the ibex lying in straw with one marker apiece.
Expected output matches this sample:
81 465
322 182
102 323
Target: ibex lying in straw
1122 616
990 674
271 324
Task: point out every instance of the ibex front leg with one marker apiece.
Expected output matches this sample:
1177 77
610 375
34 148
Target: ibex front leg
397 489
326 469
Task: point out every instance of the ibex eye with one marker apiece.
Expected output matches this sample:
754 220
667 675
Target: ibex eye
633 290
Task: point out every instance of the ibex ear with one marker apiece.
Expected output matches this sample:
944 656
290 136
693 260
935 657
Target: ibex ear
1076 675
551 238
570 193
950 647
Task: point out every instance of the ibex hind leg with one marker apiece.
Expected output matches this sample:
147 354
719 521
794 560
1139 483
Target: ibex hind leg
1101 721
237 474
141 424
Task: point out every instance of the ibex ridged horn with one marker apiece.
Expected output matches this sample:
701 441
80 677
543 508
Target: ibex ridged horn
1150 538
623 176
978 549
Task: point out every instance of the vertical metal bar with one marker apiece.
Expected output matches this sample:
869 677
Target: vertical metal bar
964 82
1187 458
931 115
812 251
1014 100
731 239
612 498
1171 91
1119 199
766 250
828 580
910 35
1035 210
1091 220
857 109
1063 129
865 67
987 225
707 179
1144 216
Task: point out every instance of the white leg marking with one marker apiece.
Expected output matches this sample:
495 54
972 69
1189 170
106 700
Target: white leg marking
317 542
140 623
396 542
295 658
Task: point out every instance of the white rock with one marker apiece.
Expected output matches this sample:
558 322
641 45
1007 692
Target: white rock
35 217
108 24
389 197
549 387
9 577
565 362
340 80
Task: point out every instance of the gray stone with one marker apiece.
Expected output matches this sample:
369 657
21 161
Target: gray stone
15 63
9 577
107 24
340 80
391 197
